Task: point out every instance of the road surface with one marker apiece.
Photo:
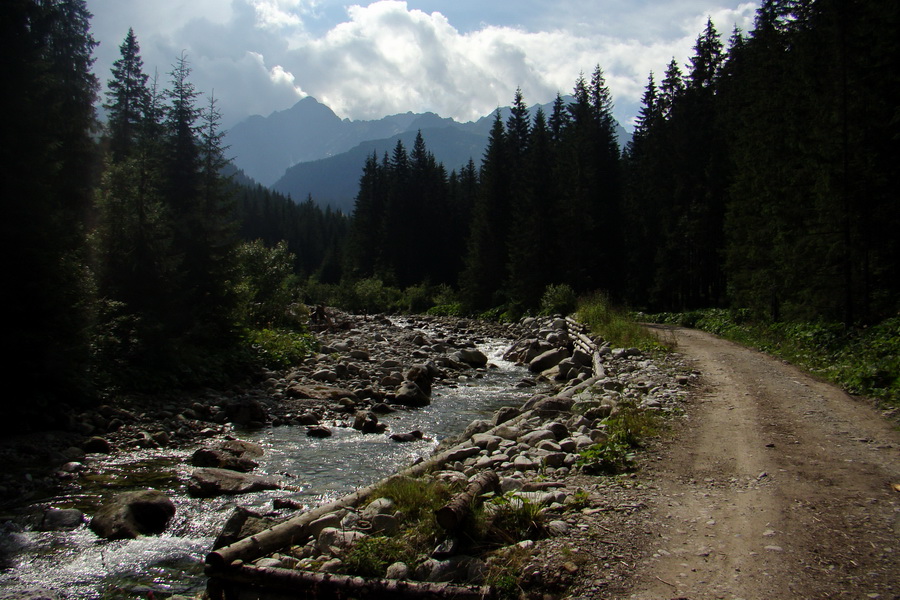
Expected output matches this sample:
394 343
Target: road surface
778 486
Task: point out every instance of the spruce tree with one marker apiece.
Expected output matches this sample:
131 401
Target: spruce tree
127 98
485 265
49 163
531 241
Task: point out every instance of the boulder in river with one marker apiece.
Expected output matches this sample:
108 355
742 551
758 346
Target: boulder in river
366 422
97 445
206 482
412 436
548 360
410 394
221 459
318 392
61 519
318 432
236 455
242 523
131 514
248 412
421 375
470 356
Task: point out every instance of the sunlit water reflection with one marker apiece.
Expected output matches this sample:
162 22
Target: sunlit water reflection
81 566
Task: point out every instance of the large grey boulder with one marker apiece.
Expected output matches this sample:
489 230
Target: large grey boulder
208 482
421 375
410 394
247 412
470 356
131 514
241 524
221 459
367 422
236 455
335 542
61 519
548 360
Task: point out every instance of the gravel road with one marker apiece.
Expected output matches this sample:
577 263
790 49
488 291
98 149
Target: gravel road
776 486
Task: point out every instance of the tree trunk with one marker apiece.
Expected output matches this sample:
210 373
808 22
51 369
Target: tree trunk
452 515
323 586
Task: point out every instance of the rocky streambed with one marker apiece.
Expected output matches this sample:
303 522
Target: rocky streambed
394 391
514 485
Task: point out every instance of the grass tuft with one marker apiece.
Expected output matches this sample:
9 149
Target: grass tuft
616 326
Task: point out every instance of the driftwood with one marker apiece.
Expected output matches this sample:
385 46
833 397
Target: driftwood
321 586
296 530
452 515
599 371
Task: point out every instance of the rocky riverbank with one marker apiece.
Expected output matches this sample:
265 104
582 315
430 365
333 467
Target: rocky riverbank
531 462
368 367
362 365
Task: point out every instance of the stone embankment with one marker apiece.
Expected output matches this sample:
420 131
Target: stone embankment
529 456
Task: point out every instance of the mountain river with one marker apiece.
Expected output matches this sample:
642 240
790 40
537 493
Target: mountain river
80 566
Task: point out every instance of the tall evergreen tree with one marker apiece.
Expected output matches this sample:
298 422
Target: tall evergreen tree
532 237
127 98
367 229
48 160
216 229
485 268
182 153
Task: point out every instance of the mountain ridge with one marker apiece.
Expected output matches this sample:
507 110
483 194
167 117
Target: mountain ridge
308 150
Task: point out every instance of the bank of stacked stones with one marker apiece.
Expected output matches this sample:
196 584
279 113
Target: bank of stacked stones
534 450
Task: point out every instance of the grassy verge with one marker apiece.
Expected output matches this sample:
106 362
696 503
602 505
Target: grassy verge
492 532
862 360
617 326
626 433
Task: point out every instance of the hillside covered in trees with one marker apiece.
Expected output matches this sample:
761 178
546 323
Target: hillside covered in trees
761 176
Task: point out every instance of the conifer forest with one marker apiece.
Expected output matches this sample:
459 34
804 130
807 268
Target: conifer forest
762 175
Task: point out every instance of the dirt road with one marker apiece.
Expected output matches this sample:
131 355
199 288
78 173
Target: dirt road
779 486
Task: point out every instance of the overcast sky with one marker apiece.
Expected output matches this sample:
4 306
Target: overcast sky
457 58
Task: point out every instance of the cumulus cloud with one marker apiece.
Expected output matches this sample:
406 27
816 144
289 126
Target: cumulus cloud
387 56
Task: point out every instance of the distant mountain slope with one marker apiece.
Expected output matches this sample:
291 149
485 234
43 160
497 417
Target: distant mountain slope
264 147
307 149
334 181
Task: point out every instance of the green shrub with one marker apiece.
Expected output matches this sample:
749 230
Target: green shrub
625 432
264 284
447 310
505 519
281 348
616 325
417 299
372 296
558 300
370 557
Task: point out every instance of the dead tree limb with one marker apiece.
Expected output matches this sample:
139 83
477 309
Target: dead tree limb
453 514
319 586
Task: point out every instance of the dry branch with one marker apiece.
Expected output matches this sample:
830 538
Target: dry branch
319 586
453 514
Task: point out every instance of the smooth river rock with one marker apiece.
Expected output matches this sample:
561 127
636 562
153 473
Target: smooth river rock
208 482
132 514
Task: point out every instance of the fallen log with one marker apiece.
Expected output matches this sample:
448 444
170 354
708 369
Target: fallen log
321 586
452 515
599 371
296 529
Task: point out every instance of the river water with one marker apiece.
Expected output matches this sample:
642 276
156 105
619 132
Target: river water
82 566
